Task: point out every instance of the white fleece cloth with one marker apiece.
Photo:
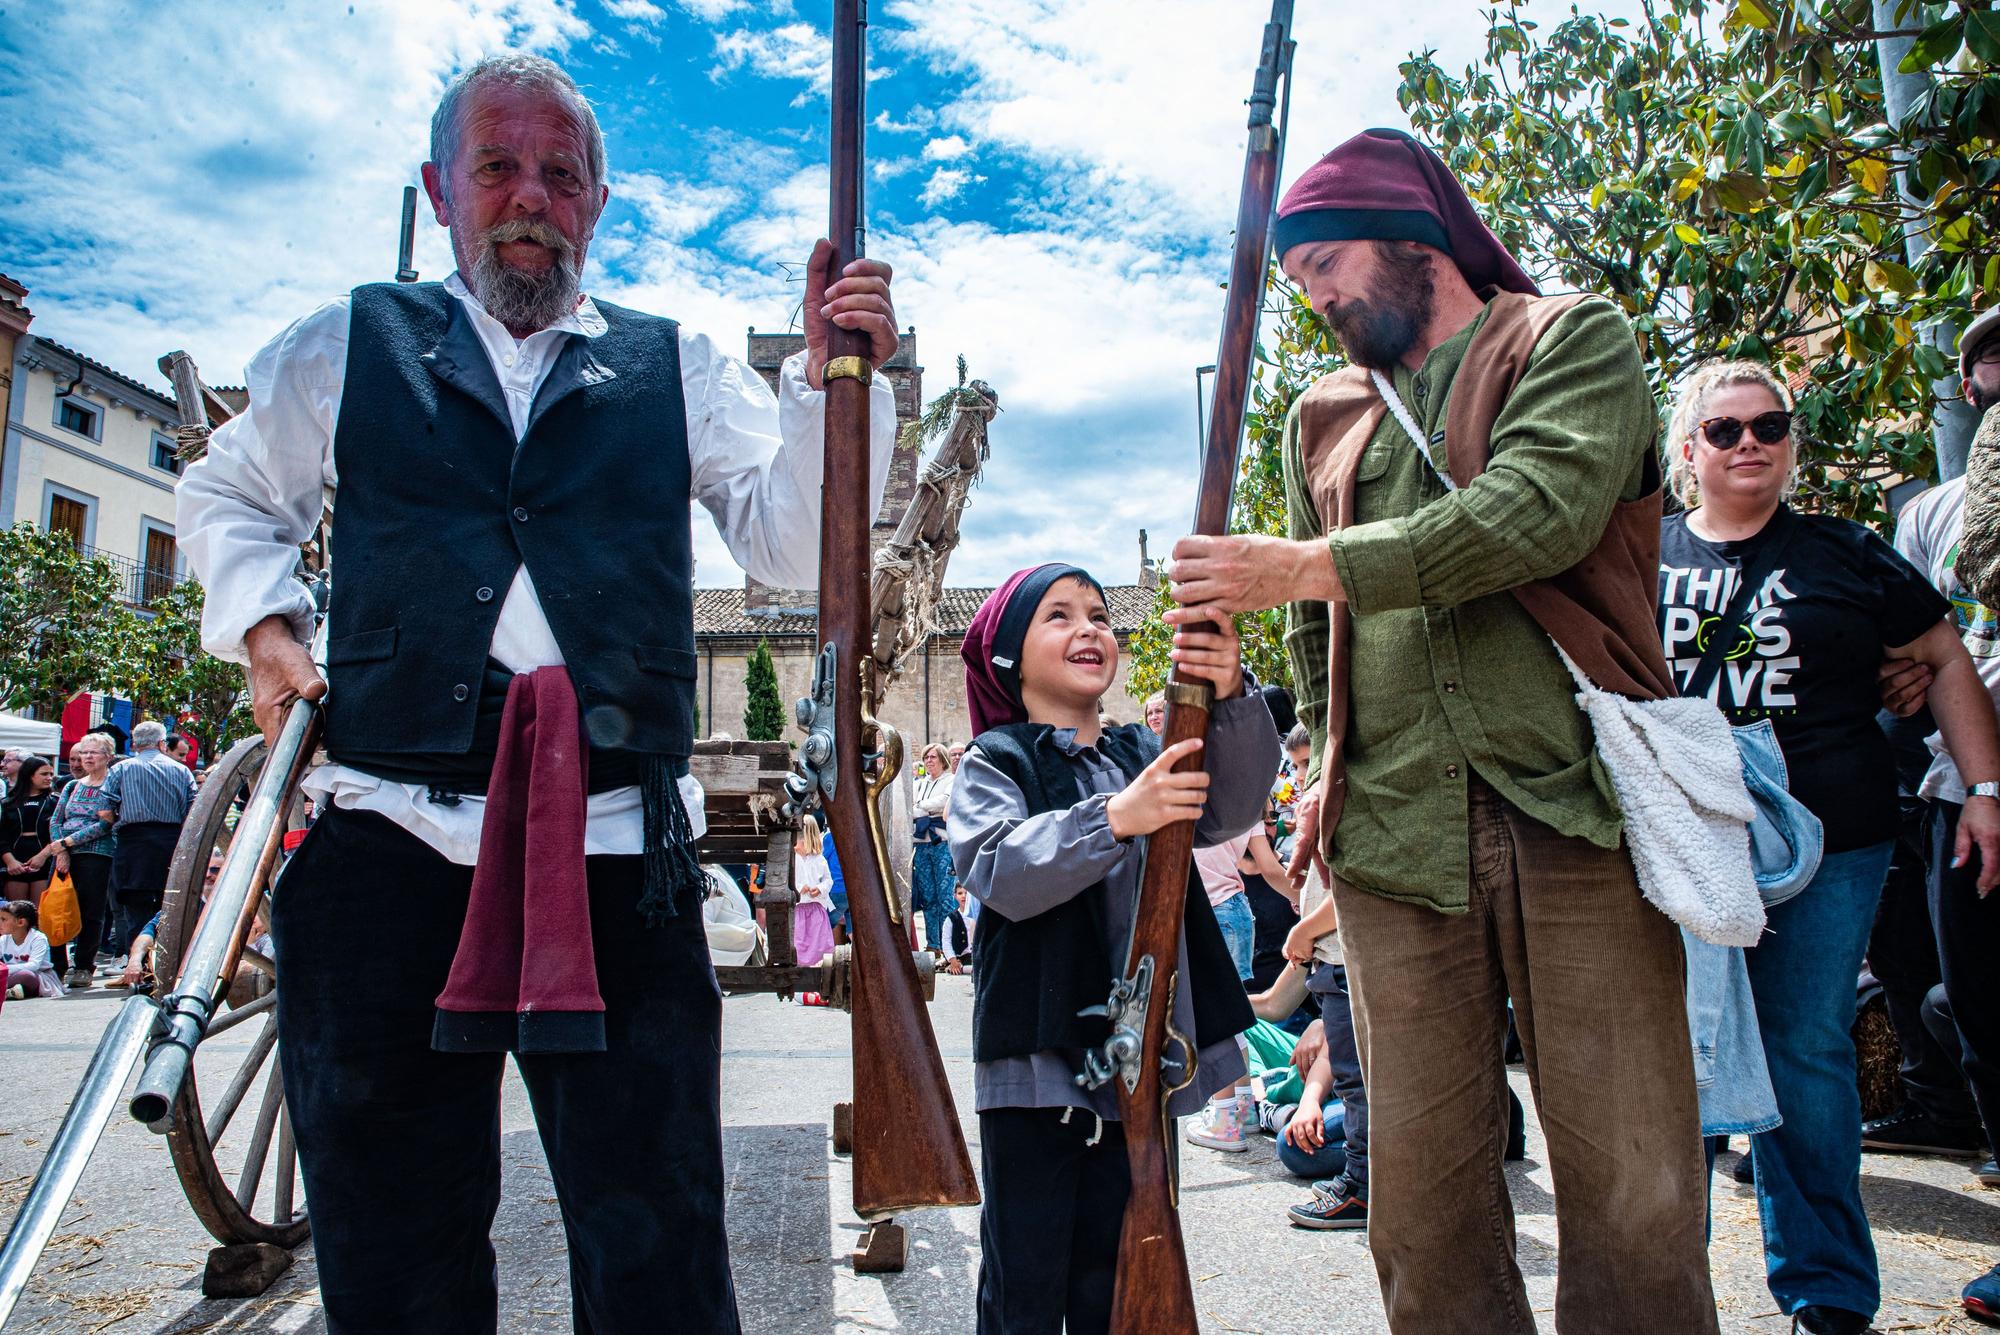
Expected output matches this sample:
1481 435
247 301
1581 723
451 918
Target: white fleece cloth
1679 780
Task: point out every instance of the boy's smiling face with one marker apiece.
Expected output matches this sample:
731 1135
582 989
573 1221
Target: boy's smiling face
1070 655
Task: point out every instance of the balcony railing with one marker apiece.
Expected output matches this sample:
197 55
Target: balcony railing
137 583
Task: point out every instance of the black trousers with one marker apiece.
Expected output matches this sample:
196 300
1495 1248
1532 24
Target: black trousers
1048 1228
139 875
1968 942
1903 956
400 1145
91 873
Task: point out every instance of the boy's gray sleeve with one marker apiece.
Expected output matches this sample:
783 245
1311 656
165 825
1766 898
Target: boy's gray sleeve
1242 763
1020 864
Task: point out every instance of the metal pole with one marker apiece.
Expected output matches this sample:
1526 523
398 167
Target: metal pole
187 1010
89 1112
406 270
1200 412
1955 421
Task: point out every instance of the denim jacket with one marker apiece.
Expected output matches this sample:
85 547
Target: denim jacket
1729 1069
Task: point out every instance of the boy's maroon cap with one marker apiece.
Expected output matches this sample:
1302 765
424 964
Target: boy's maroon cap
1382 185
992 645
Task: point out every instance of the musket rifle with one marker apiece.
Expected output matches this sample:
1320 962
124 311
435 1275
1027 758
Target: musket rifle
908 1149
1153 1295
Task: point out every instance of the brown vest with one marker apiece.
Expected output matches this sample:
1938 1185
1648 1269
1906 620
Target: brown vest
1601 611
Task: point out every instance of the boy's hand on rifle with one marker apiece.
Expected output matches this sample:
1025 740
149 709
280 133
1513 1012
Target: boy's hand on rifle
1159 797
281 671
1206 645
858 301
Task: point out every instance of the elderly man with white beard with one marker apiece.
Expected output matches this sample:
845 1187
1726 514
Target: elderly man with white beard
511 667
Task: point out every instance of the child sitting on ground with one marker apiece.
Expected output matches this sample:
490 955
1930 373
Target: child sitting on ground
1049 818
958 935
26 968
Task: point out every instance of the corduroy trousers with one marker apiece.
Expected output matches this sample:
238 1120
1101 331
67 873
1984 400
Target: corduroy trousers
1557 926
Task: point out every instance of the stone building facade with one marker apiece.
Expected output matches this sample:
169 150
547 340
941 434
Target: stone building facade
926 703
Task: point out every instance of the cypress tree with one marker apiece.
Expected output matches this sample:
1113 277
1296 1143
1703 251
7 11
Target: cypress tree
763 712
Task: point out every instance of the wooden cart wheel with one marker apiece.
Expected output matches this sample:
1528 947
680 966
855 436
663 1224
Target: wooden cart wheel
231 1138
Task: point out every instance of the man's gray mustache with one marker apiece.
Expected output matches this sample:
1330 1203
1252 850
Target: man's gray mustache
521 230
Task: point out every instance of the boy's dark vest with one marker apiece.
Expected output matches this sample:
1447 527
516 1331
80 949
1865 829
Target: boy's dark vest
1031 977
439 505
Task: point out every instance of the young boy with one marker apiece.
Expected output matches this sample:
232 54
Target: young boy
1048 823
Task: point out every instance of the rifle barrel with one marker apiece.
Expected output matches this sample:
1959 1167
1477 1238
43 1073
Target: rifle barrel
1153 1294
908 1149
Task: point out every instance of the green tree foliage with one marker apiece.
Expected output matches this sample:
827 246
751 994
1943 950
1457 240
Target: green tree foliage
1728 174
168 676
763 711
62 628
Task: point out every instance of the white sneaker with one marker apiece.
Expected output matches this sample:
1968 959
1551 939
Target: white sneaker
1219 1128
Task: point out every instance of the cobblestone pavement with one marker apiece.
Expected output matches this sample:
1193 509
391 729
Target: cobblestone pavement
128 1257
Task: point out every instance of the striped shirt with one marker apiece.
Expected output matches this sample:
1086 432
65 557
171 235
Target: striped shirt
151 786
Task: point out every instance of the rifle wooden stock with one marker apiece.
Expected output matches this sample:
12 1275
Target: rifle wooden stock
908 1149
1153 1295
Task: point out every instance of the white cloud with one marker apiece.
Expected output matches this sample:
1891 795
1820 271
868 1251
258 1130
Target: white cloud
920 119
711 11
793 51
672 210
640 11
888 169
945 185
948 149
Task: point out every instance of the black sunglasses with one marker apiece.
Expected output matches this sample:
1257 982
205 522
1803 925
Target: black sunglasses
1769 428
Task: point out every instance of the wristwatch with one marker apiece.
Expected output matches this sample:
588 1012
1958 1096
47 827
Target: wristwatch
1991 788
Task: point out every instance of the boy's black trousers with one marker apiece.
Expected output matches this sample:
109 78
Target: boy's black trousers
1048 1228
400 1145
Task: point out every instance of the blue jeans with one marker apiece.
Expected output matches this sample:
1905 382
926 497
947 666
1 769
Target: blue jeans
1239 932
932 881
1329 986
1817 1248
1325 1162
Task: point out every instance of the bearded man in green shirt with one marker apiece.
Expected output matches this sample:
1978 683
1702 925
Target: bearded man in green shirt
1489 452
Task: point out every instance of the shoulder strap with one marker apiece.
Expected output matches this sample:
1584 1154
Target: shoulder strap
1751 578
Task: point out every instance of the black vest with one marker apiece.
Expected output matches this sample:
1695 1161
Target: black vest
439 505
1031 977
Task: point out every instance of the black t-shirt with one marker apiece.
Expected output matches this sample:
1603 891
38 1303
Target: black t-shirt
1808 654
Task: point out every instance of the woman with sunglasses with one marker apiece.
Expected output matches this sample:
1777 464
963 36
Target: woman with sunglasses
1838 600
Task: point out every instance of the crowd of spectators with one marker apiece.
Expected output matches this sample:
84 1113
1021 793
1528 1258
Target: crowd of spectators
105 832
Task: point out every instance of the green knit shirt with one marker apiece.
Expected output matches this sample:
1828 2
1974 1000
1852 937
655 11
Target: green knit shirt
1450 675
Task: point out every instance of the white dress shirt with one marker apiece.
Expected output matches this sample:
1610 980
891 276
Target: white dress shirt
755 464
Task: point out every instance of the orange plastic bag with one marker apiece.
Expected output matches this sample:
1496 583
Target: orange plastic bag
60 918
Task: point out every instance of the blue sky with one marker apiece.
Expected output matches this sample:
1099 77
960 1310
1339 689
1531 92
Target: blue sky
1053 180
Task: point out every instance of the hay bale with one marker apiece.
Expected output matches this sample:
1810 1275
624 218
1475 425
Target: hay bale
1878 1060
